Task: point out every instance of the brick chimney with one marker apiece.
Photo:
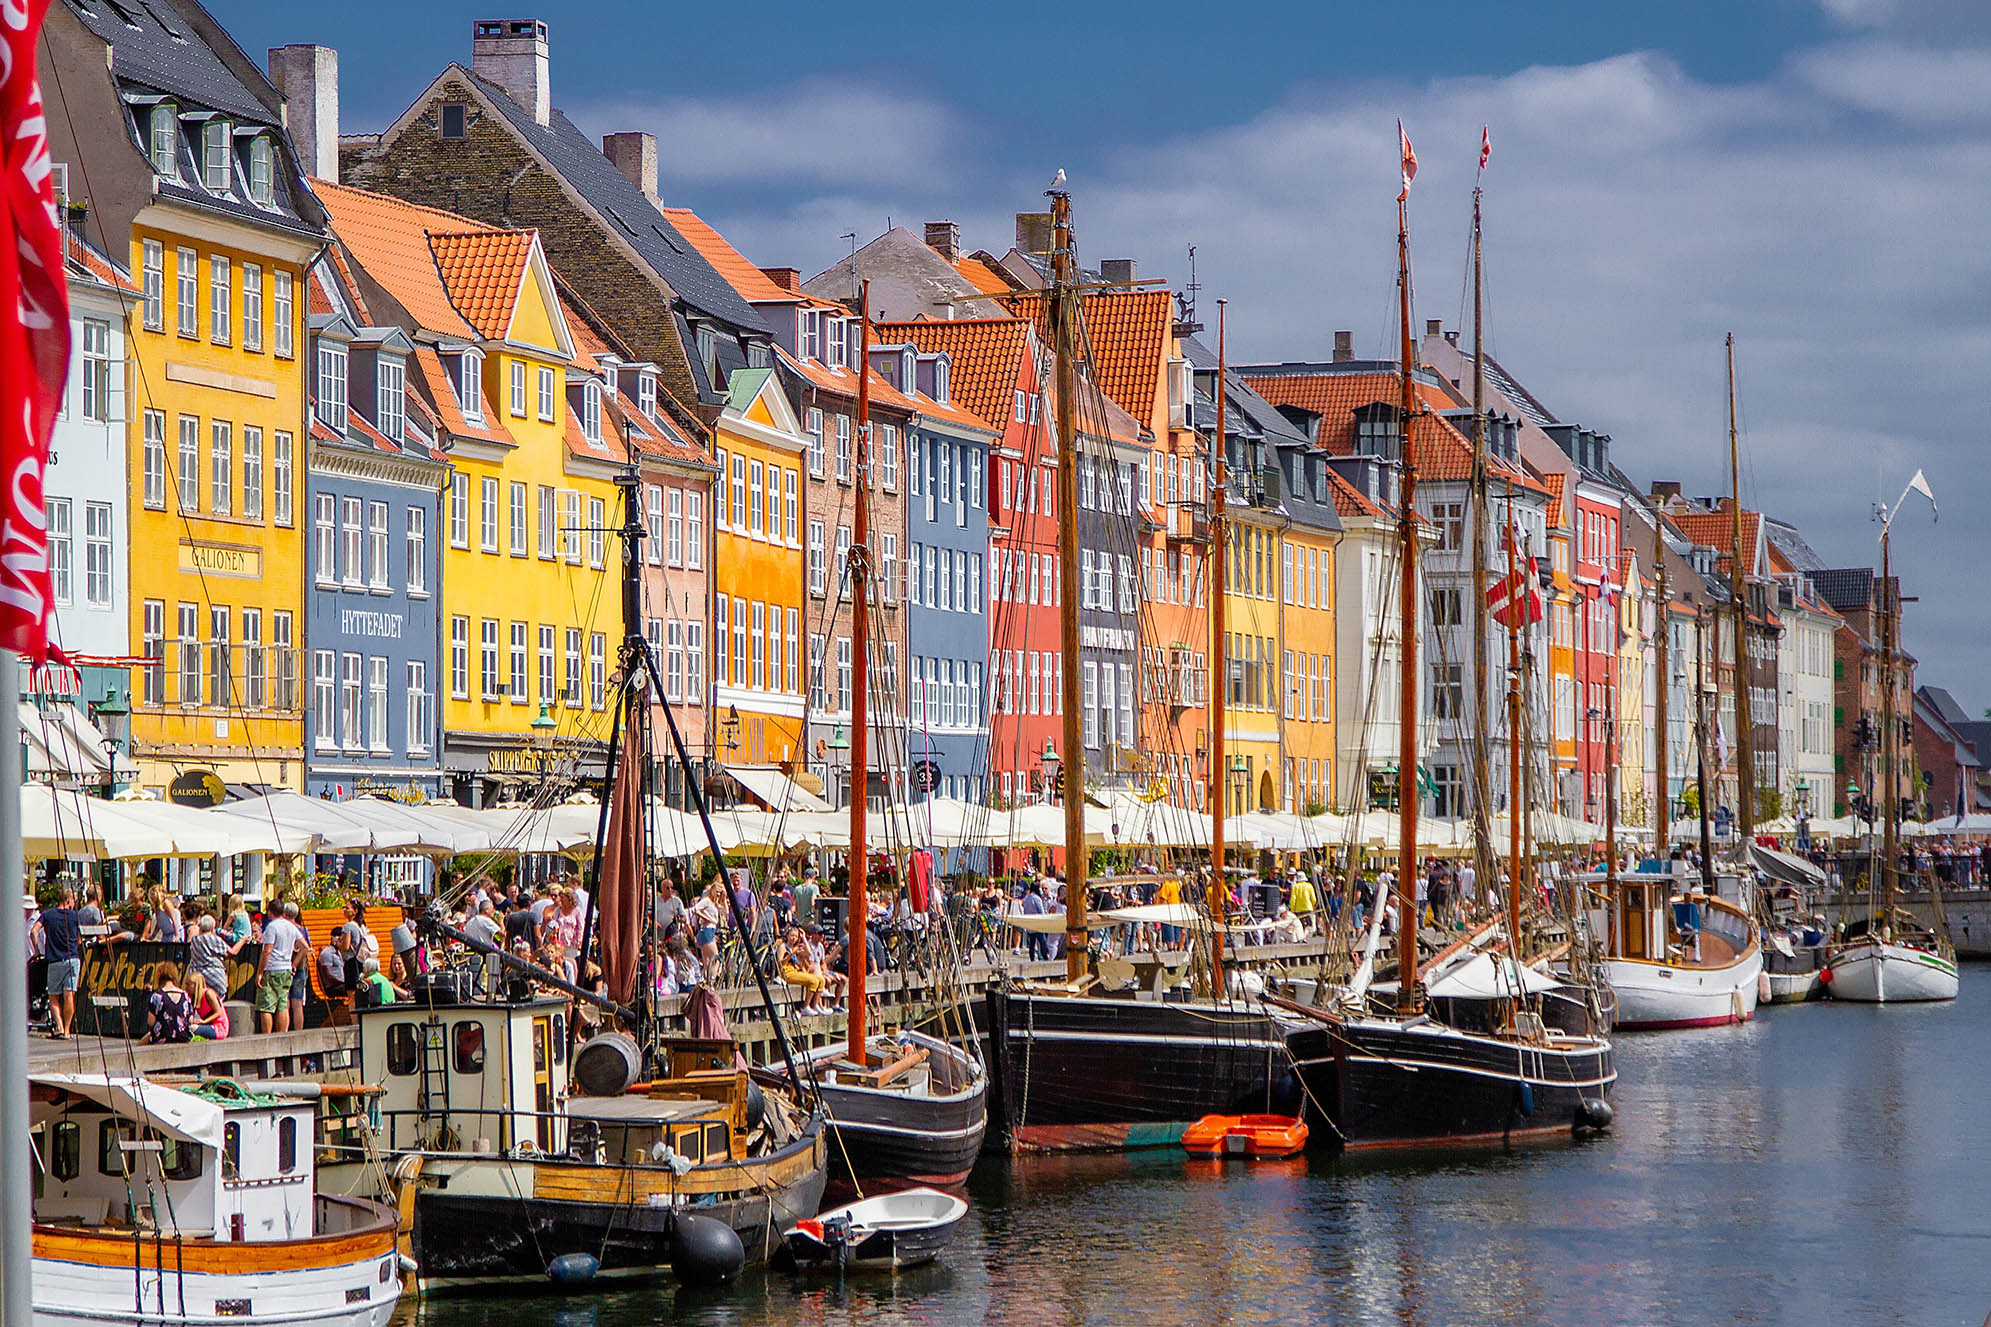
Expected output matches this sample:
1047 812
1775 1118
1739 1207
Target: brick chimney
1344 347
1117 271
308 78
511 52
944 238
788 278
1033 232
635 155
1665 490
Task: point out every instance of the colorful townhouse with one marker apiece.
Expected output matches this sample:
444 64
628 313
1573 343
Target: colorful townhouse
87 703
1804 677
949 689
373 485
530 558
175 144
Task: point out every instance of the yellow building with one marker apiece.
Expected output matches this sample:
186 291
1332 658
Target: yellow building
182 165
1306 562
757 588
531 558
1253 698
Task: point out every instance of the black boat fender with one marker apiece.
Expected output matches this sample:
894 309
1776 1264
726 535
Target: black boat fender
1594 1113
705 1252
1524 1093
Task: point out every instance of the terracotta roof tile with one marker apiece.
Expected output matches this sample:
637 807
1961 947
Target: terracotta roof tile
1349 500
842 382
85 258
984 359
1128 332
390 239
442 398
985 278
749 282
483 271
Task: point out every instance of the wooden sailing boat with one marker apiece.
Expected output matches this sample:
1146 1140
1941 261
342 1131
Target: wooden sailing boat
1680 957
907 1108
1078 1066
1463 1053
522 1156
1888 958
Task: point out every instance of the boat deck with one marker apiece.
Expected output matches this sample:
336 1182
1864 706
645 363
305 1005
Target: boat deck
1711 951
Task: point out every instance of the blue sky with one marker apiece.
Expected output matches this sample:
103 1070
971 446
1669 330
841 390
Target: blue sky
1809 174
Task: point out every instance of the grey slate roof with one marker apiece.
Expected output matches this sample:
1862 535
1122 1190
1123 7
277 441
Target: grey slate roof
1847 589
1801 555
1943 703
158 45
580 162
1523 400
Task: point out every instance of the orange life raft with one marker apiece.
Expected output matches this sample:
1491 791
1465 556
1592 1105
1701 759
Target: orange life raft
1245 1136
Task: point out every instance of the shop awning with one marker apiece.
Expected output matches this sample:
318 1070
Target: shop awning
771 786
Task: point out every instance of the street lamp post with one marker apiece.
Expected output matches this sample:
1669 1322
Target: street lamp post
839 742
1049 764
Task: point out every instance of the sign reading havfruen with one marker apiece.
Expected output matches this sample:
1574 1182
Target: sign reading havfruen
34 331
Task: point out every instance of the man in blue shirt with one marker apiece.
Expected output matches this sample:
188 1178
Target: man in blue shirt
62 942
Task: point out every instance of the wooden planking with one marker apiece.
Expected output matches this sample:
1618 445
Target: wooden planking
620 1184
105 1248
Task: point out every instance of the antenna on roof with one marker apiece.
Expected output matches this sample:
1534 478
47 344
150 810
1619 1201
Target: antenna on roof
1187 299
851 235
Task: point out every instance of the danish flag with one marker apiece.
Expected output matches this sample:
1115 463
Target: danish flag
1517 594
1409 160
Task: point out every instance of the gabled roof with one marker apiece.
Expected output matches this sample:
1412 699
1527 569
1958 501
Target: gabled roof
156 43
620 206
1127 332
984 357
1848 589
483 271
1943 703
751 284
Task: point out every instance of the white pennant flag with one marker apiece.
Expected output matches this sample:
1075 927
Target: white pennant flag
1921 485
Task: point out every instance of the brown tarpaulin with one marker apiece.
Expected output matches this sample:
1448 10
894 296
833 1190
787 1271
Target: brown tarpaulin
622 868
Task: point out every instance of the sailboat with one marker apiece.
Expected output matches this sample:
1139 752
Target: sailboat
1478 1057
525 1153
908 1108
1677 957
1888 957
1077 1066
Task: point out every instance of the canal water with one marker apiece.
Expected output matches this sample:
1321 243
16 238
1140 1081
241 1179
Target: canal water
1824 1164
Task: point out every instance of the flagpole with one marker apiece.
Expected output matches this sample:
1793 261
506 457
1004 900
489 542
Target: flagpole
16 1205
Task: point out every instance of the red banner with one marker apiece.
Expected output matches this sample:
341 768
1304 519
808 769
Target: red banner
34 331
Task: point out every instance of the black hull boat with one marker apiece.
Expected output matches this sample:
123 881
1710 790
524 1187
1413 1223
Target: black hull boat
1099 1073
922 1126
1379 1083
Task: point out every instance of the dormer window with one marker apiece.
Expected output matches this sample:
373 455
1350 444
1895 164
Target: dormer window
391 412
833 333
646 392
332 384
165 140
470 385
215 168
812 334
940 380
907 361
259 169
1377 433
591 413
708 353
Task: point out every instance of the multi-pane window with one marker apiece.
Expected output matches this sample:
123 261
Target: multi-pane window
252 307
759 643
97 554
516 512
722 642
189 643
152 631
843 673
488 662
252 472
155 460
470 385
352 682
189 463
653 523
792 623
791 509
61 548
392 415
545 393
376 703
817 700
214 163
352 531
597 670
889 460
519 687
459 510
376 544
570 525
459 657
324 698
694 662
186 272
570 692
756 485
221 466
154 264
283 318
283 671
332 384
843 448
487 515
259 169
325 539
220 308
548 522
420 714
254 661
591 413
815 430
280 477
164 140
694 529
673 660
518 389
739 517
220 659
547 680
674 527
597 532
888 567
97 373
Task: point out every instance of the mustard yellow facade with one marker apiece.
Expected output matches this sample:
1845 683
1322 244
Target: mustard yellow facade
763 653
1306 565
217 456
1255 699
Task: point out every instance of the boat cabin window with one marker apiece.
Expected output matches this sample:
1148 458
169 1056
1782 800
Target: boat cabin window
404 1049
231 1149
469 1047
111 1156
715 1142
179 1160
559 1039
65 1152
287 1144
688 1143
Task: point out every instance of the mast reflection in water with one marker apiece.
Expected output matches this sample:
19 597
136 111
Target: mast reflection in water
1807 1167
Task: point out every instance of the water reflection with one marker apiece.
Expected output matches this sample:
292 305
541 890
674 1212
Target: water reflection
1817 1165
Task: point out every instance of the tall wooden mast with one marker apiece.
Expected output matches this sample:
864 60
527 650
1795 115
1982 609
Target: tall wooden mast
1406 774
1702 648
1482 707
1662 637
1745 727
1217 898
1519 598
1062 308
858 569
1890 780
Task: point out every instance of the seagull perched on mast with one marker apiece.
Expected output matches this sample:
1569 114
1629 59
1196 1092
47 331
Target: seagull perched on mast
1058 180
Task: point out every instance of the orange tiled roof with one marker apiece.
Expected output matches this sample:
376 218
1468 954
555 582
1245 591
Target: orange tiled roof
483 270
1349 500
983 277
85 258
752 284
843 382
390 239
1128 332
1716 529
1557 482
984 357
442 397
612 446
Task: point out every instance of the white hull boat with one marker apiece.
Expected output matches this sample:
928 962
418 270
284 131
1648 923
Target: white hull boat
1665 995
897 1230
1876 971
1678 959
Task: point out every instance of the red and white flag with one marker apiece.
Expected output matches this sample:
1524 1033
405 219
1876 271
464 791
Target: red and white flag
34 331
1516 598
1409 161
1485 146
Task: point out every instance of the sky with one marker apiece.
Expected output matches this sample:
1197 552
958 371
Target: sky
1810 175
